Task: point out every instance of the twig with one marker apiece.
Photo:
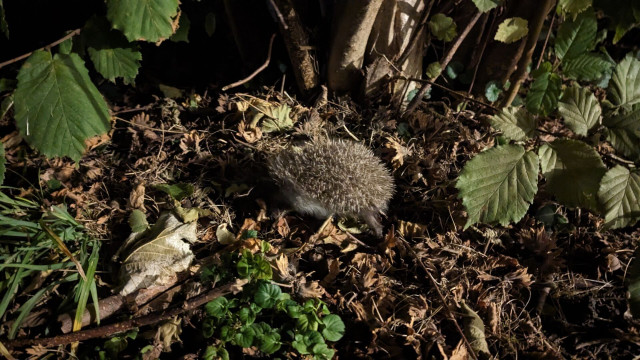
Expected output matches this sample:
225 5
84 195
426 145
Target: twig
482 49
443 64
414 36
463 95
278 14
68 36
546 40
123 325
444 302
149 127
532 39
258 70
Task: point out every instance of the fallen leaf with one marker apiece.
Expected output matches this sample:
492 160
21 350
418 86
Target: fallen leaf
136 197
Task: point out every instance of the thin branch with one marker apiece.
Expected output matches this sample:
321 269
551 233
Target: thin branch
59 41
532 39
546 40
482 49
123 325
415 36
443 64
278 14
258 70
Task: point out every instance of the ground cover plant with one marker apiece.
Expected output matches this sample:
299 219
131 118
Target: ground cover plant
138 219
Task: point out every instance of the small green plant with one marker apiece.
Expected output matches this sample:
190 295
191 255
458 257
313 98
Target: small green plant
265 318
498 185
36 242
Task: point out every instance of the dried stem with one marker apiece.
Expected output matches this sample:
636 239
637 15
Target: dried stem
47 47
258 70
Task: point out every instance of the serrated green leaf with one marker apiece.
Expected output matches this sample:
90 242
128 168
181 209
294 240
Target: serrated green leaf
573 171
580 109
322 352
499 185
433 70
333 327
576 36
146 20
182 34
486 5
3 161
623 132
454 69
57 106
442 27
512 30
138 221
625 82
245 337
586 67
515 123
543 95
573 7
619 195
277 119
112 55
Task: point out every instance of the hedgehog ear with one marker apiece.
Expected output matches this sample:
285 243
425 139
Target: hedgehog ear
372 218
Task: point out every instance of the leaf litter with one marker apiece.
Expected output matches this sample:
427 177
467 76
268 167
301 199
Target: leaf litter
538 290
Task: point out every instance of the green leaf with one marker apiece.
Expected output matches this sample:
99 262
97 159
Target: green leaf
573 7
267 294
57 106
146 20
442 27
245 337
515 123
305 342
210 23
307 322
138 221
492 90
623 132
333 327
112 55
573 171
543 95
499 184
322 351
277 119
247 316
586 67
433 70
177 191
454 69
182 34
580 109
3 161
217 307
619 194
512 30
486 5
576 36
625 82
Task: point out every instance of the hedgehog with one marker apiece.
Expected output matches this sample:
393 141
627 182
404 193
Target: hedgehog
334 177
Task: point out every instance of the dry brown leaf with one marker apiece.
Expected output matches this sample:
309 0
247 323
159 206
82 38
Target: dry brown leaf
11 140
282 226
95 141
460 352
190 142
136 197
312 290
334 270
410 230
251 135
400 152
282 267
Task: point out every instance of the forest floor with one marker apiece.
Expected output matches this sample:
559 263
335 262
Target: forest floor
551 286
